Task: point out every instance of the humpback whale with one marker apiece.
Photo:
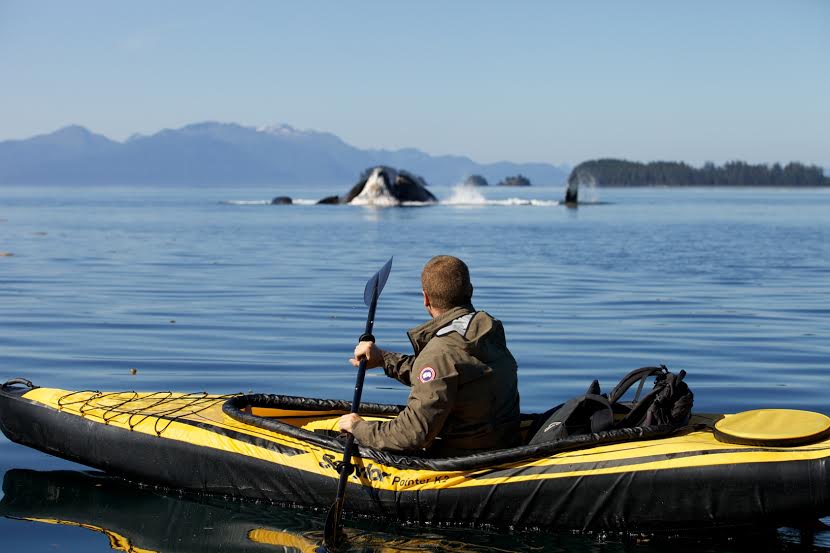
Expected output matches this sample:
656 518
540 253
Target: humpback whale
384 186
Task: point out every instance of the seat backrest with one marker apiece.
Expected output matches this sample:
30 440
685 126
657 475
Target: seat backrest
585 414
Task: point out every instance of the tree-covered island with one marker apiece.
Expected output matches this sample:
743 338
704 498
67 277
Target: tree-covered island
619 172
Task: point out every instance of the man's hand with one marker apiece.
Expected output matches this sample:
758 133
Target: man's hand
347 422
370 352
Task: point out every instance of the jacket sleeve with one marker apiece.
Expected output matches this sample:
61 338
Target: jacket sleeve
430 403
398 366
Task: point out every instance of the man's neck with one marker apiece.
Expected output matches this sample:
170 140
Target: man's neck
435 313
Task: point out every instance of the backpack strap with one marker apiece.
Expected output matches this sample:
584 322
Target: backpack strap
628 380
669 402
639 410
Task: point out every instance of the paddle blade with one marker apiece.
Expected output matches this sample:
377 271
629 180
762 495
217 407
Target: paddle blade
376 283
331 537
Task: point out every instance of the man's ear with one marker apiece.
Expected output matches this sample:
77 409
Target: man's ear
426 298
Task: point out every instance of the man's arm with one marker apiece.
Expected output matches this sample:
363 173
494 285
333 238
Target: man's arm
430 403
398 366
395 365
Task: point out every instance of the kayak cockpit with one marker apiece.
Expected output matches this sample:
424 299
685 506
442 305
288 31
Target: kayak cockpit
314 421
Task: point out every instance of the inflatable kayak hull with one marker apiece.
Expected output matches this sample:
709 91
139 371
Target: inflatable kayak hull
637 480
138 519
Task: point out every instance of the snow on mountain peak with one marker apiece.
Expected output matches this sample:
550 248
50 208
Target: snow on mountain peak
280 130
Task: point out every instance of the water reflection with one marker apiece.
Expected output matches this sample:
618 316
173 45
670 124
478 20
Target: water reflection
139 519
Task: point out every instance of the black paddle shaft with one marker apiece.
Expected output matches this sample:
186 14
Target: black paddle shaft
361 369
370 296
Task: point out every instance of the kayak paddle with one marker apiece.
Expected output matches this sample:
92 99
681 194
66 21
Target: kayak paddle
370 298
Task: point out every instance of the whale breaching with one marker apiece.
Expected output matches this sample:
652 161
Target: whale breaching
385 186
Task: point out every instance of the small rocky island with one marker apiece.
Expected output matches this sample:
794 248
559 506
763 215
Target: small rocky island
518 180
475 180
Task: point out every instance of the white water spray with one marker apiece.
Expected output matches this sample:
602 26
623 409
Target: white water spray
587 188
465 195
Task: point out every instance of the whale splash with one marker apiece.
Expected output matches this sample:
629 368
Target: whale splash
465 195
582 183
572 192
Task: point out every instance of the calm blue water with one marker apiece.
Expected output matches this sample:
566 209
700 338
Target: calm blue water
212 290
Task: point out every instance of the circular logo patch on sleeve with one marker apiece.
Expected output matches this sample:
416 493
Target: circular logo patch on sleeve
427 374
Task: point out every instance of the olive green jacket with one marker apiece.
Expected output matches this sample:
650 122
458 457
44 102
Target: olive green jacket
464 393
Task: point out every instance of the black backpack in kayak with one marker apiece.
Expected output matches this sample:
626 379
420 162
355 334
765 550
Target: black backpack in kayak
669 402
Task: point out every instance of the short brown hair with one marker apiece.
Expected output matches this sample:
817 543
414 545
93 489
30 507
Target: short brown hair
446 281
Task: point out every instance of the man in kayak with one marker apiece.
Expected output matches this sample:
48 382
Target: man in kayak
464 395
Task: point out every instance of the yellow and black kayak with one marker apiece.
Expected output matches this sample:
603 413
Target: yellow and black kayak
767 467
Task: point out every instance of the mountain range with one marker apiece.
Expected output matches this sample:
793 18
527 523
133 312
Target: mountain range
213 153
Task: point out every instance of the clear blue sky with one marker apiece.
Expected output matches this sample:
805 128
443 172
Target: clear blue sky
524 81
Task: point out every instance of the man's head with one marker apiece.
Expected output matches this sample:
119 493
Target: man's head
446 283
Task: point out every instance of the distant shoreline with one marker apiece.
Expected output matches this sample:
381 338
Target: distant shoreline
620 173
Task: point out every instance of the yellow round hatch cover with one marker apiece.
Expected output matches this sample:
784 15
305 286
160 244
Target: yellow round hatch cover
773 427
